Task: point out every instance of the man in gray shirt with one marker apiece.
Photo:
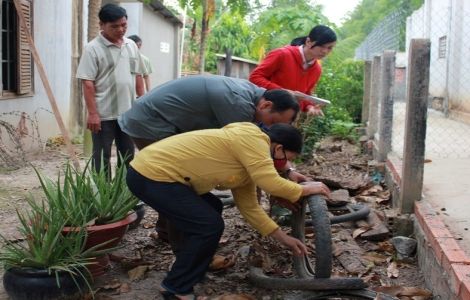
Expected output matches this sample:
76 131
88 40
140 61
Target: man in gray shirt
203 102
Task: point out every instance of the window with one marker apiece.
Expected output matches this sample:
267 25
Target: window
16 71
442 47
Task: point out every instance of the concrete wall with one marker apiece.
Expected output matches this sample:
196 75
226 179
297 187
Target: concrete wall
52 23
161 46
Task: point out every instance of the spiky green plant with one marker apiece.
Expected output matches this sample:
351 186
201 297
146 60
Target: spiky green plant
89 195
43 246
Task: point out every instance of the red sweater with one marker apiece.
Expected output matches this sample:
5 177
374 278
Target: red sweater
282 68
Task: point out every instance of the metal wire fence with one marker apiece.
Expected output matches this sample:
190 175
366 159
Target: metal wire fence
387 35
447 25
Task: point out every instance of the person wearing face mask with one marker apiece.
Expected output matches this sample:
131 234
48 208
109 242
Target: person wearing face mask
296 67
175 176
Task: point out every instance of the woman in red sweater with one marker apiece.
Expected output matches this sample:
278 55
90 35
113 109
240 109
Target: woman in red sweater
295 67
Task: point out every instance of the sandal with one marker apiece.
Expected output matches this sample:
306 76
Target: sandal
220 263
170 296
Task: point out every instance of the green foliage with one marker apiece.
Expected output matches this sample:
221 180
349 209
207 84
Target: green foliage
211 9
230 32
313 129
368 13
342 84
89 196
343 50
344 130
276 27
46 247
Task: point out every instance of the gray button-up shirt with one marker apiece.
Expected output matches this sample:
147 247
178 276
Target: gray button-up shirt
191 103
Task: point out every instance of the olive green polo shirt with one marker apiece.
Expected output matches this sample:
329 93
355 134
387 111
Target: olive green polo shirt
113 70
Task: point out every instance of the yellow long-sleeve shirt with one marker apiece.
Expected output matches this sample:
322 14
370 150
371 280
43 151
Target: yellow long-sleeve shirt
235 157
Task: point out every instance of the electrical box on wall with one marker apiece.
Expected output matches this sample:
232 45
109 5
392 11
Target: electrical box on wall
164 47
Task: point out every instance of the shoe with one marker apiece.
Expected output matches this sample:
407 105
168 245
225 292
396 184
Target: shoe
170 296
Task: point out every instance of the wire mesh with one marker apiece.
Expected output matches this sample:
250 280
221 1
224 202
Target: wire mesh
447 25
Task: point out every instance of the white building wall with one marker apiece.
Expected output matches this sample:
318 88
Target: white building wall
459 52
53 45
161 45
449 75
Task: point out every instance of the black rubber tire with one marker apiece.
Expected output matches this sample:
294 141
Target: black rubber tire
227 201
307 284
323 242
349 294
360 212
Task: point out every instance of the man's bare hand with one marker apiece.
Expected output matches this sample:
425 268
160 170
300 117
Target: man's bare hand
93 123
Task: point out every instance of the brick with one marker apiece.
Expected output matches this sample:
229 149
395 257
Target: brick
395 166
374 167
451 253
465 290
424 209
459 274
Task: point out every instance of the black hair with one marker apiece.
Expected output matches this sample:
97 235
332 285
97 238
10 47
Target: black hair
111 12
287 135
319 34
282 100
135 38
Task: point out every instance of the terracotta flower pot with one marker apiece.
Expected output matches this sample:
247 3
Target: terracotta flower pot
102 233
22 284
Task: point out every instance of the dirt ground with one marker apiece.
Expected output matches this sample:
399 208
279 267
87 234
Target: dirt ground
135 271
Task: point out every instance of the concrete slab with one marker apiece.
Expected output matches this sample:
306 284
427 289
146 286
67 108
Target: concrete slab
447 188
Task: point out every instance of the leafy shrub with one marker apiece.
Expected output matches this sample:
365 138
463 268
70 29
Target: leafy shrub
313 129
344 130
342 84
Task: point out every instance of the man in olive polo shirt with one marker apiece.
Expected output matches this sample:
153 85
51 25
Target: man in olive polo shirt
110 70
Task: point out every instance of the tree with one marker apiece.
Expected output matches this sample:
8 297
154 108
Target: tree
208 12
365 16
230 35
94 7
276 27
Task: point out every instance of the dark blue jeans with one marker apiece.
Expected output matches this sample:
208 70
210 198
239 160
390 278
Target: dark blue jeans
198 216
103 141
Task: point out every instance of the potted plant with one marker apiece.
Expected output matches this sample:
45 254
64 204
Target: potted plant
44 263
89 197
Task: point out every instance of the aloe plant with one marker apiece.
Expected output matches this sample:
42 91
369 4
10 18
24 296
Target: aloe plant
111 199
43 246
89 195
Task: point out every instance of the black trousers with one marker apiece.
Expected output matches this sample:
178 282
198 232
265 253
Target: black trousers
103 141
197 216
